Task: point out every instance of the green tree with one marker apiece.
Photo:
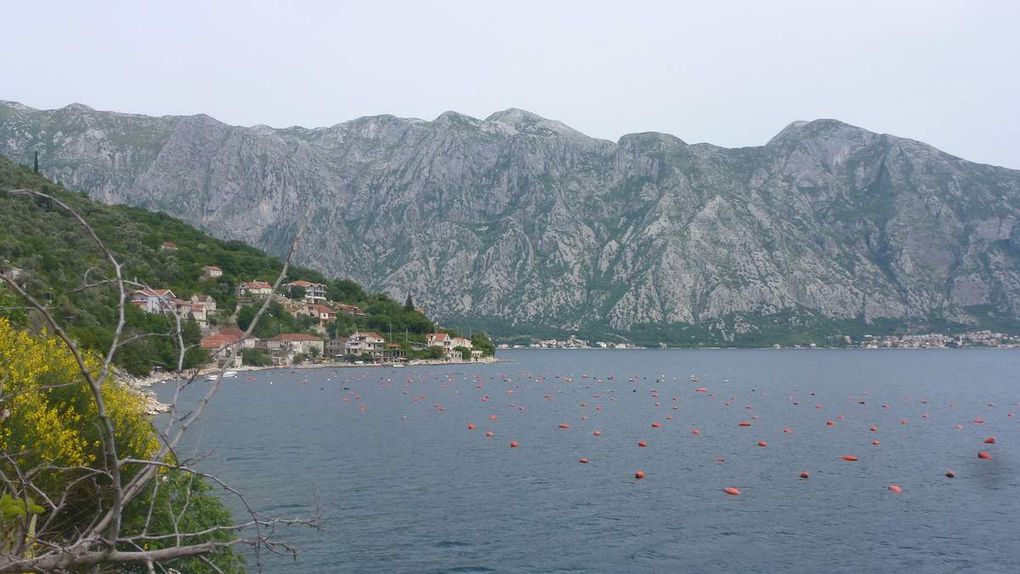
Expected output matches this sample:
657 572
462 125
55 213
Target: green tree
482 342
255 357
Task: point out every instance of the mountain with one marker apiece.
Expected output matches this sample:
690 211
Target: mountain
522 224
53 255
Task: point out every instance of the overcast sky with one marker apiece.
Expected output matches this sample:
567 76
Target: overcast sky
729 73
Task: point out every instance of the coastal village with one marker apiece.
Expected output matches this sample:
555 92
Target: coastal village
306 302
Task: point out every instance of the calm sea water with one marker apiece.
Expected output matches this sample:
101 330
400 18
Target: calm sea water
405 486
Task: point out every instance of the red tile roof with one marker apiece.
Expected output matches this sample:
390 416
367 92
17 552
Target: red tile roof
222 339
295 337
256 285
303 283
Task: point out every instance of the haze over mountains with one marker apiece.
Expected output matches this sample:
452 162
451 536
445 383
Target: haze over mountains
521 224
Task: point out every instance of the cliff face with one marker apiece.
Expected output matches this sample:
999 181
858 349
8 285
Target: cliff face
516 221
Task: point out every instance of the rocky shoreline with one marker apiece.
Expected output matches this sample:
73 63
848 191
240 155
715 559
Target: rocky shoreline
153 406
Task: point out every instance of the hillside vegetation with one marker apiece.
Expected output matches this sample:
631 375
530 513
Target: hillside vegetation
56 258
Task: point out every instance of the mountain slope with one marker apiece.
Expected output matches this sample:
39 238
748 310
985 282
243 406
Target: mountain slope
519 223
54 255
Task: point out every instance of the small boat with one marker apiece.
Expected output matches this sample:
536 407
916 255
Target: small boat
226 375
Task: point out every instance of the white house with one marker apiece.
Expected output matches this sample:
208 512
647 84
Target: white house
200 308
366 342
154 300
209 302
314 292
296 342
254 289
211 272
446 342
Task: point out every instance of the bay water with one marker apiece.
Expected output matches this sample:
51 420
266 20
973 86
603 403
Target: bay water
398 464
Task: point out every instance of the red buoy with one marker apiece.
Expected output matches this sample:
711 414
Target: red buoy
695 432
762 443
985 455
583 460
656 425
873 428
990 440
849 458
514 444
875 442
732 491
490 434
950 474
787 430
642 443
895 489
596 432
639 474
805 474
830 424
564 426
744 424
471 426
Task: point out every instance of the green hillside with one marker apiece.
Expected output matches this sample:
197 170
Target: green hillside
54 253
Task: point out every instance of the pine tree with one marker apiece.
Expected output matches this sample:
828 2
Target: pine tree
409 303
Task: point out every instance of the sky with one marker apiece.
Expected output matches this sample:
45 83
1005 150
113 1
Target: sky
729 73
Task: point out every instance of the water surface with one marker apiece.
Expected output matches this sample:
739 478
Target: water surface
404 486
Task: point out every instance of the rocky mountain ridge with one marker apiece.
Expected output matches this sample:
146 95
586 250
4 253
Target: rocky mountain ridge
517 223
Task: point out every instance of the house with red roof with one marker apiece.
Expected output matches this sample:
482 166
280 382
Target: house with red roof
314 292
222 344
254 289
365 342
154 300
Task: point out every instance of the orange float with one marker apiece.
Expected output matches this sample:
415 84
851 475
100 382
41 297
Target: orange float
895 489
732 491
583 460
639 474
762 443
950 474
596 432
695 432
471 426
642 444
656 425
984 455
743 424
564 426
805 474
849 458
514 444
875 442
990 440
